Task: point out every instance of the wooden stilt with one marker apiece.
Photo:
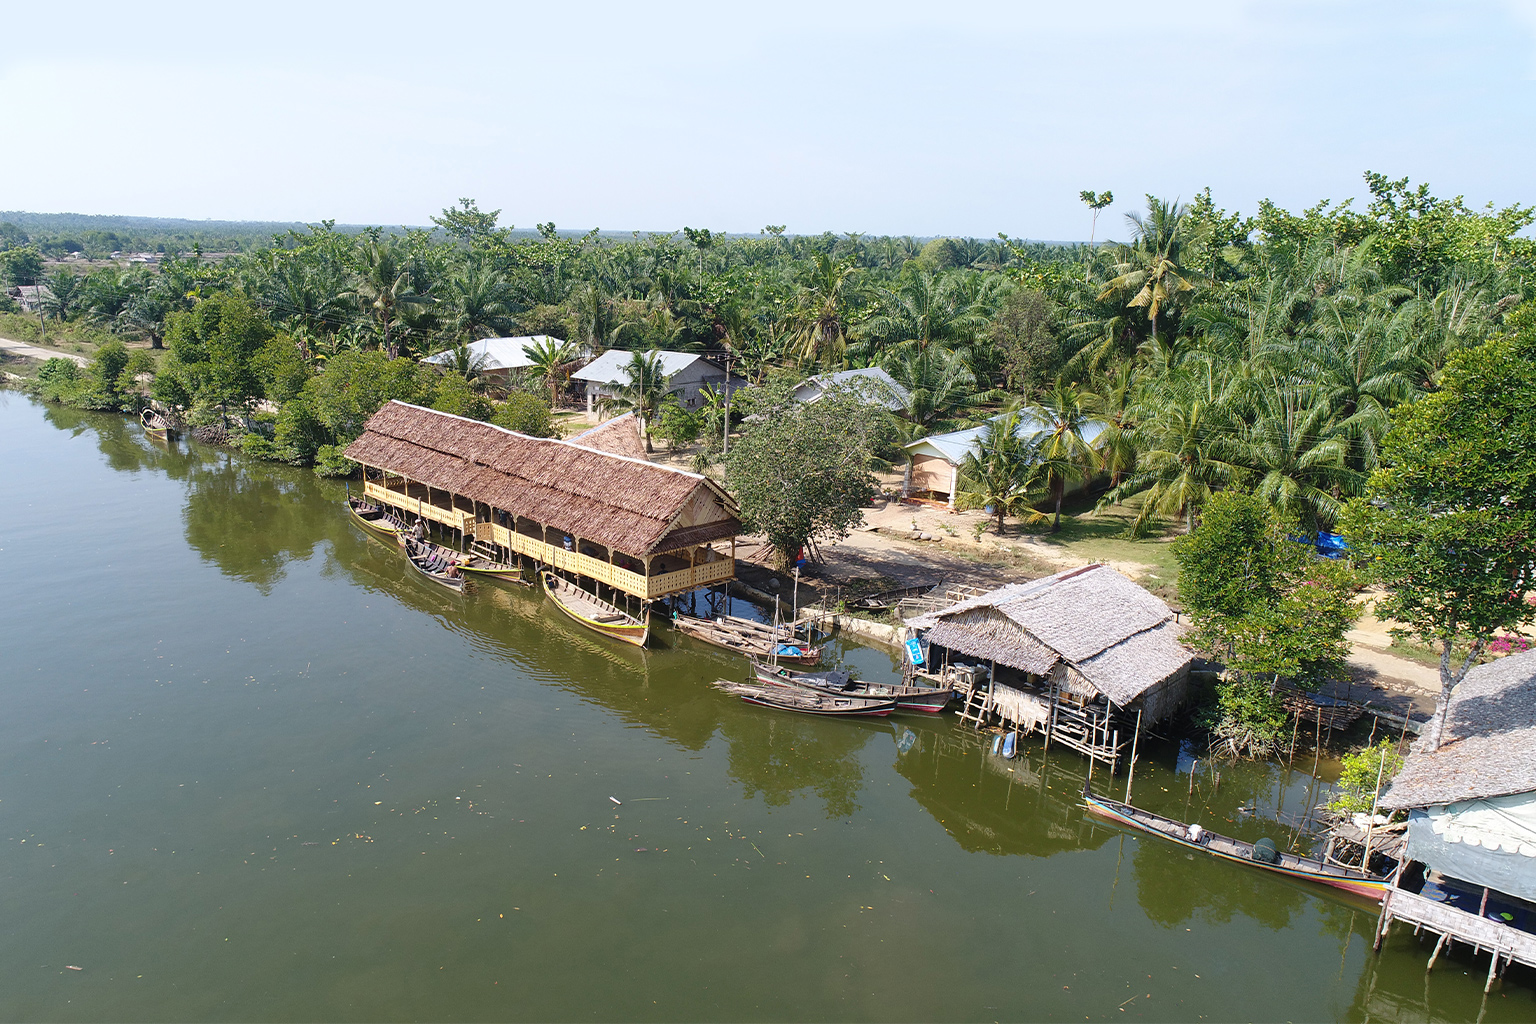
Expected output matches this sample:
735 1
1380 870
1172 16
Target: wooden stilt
1436 954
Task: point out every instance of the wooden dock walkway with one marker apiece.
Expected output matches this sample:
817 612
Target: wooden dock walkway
1502 942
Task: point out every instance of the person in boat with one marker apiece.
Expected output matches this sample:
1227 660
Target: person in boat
1196 834
419 531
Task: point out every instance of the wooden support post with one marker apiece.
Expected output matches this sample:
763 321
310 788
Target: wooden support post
1436 954
1130 775
1493 968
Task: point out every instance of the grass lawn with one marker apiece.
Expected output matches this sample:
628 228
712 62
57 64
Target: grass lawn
1105 536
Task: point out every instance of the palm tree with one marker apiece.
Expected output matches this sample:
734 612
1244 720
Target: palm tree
1149 268
926 309
940 386
1069 425
1293 458
820 321
997 474
66 294
1179 462
477 303
384 287
551 361
644 391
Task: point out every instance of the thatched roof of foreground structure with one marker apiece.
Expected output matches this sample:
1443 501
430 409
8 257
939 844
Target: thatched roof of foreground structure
1489 746
1116 635
625 503
619 436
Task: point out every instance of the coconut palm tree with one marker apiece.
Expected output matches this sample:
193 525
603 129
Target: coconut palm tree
998 473
1293 457
940 386
643 392
1066 453
1149 268
551 362
927 309
824 309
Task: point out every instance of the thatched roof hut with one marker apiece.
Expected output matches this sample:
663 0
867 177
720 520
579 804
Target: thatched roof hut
1489 746
618 436
622 502
1091 631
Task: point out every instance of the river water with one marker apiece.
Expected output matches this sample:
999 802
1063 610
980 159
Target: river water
252 767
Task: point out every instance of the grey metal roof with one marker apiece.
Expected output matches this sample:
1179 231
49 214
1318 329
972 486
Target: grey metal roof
868 380
957 444
609 368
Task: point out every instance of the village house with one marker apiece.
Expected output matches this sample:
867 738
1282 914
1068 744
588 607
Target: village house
933 463
1470 859
687 374
872 384
494 358
30 297
1084 657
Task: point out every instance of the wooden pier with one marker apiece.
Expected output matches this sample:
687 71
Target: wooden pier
1504 944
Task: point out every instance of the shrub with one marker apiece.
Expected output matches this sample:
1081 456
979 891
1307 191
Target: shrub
329 461
526 414
1357 779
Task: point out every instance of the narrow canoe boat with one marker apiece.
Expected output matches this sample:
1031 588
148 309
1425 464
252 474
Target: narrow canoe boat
376 519
886 598
481 565
806 702
155 425
908 698
436 563
1259 855
743 636
595 613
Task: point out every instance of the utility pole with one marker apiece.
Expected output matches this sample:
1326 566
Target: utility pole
725 441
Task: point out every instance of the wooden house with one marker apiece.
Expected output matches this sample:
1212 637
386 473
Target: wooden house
636 527
1470 860
1084 658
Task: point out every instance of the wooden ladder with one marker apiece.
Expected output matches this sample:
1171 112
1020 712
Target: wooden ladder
977 705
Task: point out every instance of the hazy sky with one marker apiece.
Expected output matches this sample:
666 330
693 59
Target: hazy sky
927 118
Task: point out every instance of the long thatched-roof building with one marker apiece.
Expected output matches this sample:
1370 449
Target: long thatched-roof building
638 527
1070 656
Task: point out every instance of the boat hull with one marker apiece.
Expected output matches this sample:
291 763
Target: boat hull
422 554
739 640
631 631
879 711
807 702
1303 869
379 526
908 698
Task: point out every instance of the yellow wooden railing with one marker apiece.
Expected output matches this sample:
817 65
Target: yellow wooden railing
648 587
453 518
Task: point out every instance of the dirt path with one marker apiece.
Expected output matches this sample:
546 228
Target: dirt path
29 351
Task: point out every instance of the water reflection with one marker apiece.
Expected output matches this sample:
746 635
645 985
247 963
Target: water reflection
250 518
1028 805
778 755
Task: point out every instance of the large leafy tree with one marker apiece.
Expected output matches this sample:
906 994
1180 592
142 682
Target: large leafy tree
1448 523
802 471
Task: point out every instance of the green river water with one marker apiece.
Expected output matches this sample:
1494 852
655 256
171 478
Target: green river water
254 768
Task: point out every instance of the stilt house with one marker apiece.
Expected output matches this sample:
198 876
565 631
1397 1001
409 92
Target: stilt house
1470 864
634 526
1084 658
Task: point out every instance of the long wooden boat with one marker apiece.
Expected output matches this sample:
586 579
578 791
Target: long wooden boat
436 563
377 519
743 636
155 424
480 565
596 614
908 698
883 600
806 702
1308 869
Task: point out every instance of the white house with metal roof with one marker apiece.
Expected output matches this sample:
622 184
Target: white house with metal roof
494 356
687 374
934 462
872 384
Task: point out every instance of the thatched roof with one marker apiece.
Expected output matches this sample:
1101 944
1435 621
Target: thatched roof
1489 746
1119 637
619 436
635 506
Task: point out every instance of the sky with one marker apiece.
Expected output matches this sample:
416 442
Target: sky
954 118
